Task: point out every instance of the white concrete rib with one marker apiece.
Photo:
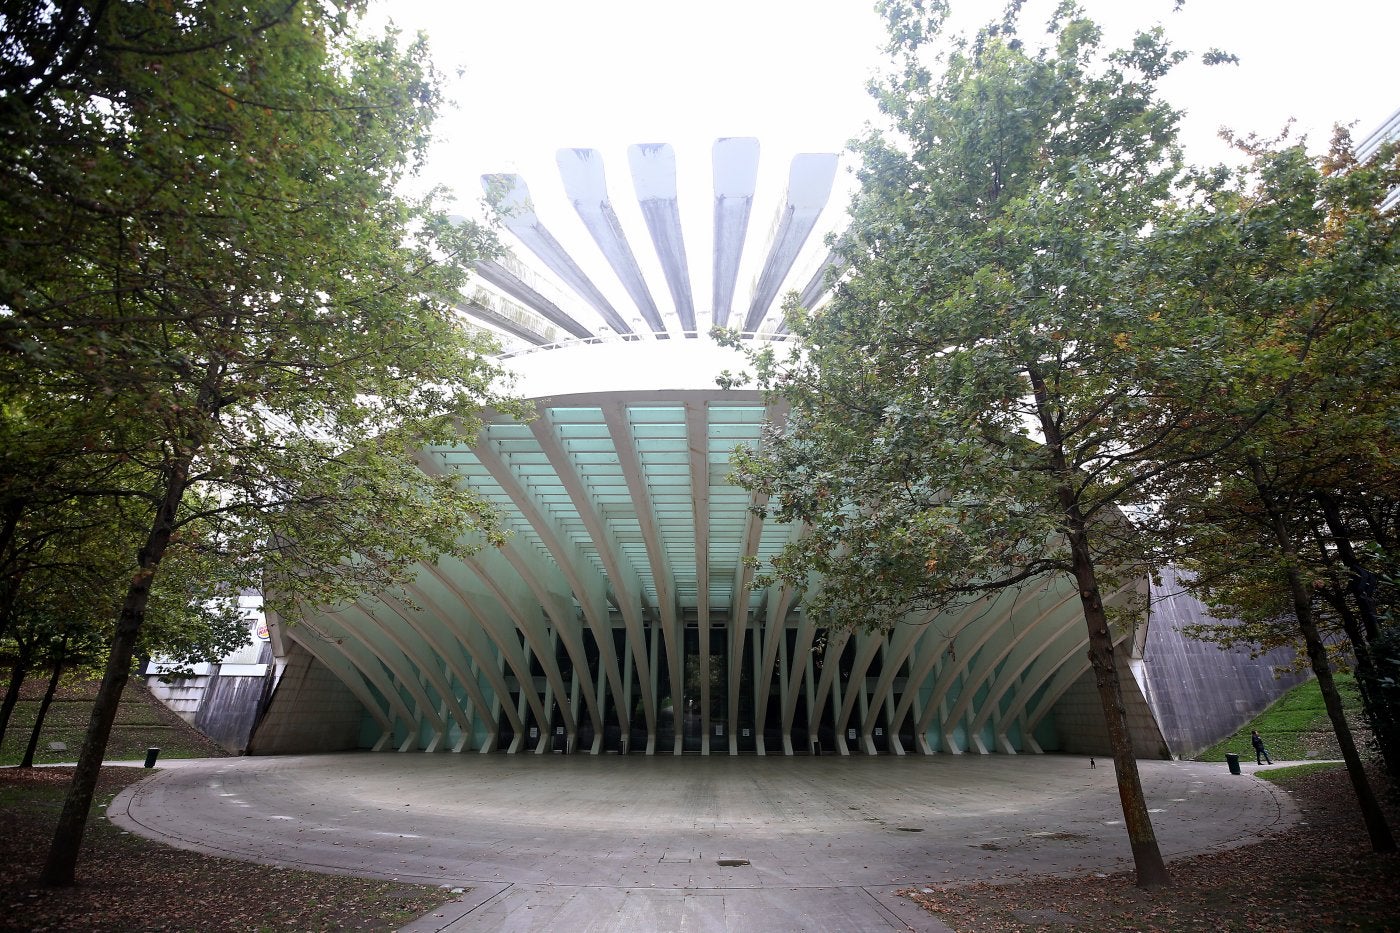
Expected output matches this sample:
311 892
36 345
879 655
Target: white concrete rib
585 182
615 416
519 217
654 177
697 453
809 188
501 274
735 178
620 573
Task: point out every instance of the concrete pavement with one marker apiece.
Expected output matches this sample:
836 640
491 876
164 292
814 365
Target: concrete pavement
691 843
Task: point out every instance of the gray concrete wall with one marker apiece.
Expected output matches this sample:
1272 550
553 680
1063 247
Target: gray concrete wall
1198 691
310 711
1079 717
229 707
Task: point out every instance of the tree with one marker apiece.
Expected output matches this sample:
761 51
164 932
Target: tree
210 276
968 413
1292 530
68 651
75 576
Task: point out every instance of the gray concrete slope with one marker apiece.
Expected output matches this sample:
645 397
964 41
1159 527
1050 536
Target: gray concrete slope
692 843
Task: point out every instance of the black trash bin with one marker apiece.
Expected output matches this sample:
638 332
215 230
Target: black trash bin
151 755
1233 761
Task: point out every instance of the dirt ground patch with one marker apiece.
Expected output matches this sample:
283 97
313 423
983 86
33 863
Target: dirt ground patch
1319 874
129 883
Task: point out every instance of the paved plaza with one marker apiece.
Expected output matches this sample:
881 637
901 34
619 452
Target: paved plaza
691 843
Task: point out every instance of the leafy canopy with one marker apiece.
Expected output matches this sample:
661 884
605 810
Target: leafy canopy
210 280
970 396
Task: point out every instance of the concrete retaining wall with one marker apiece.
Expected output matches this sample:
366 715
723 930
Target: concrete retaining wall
310 711
1079 719
1198 691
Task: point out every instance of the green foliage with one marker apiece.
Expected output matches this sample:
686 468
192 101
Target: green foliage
966 411
1304 287
1288 774
1293 530
218 317
222 298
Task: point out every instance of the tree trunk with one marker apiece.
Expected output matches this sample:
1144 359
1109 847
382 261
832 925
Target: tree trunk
1152 871
10 575
1382 716
60 655
67 839
1371 813
1376 826
17 675
1360 580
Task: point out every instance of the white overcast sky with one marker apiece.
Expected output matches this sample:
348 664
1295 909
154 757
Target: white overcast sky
540 75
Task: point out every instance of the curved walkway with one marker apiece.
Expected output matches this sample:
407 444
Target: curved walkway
690 843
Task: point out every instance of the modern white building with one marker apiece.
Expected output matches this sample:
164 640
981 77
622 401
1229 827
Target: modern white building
620 616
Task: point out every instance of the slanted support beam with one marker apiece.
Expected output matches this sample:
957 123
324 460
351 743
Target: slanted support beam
654 176
735 178
585 181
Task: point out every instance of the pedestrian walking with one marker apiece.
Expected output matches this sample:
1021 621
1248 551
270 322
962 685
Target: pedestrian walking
1259 750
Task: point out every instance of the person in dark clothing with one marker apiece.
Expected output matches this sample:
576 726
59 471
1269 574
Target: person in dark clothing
1259 750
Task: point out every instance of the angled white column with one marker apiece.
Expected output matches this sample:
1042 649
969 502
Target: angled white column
800 675
774 635
1007 634
654 177
620 573
373 636
460 638
353 651
586 587
867 646
528 621
519 217
449 651
1074 667
615 417
735 177
809 187
958 659
922 666
739 617
488 643
817 285
586 184
1061 675
900 642
555 602
698 446
421 654
523 285
828 683
514 319
1021 653
342 667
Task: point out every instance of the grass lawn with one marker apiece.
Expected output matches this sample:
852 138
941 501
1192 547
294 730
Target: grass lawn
142 722
1295 727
